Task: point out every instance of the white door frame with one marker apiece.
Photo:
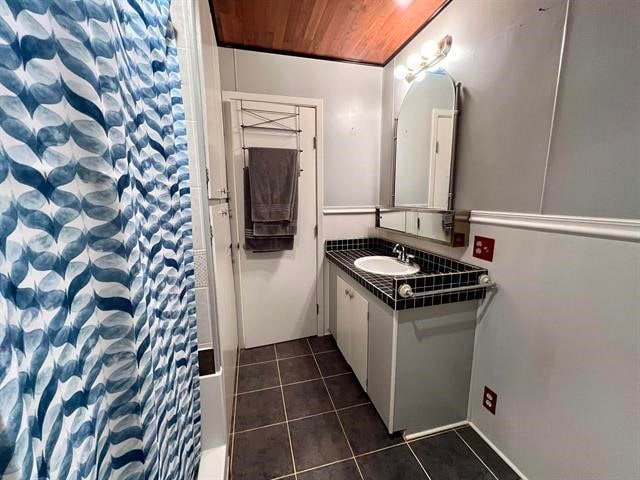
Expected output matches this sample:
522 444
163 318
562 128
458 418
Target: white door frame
317 104
435 115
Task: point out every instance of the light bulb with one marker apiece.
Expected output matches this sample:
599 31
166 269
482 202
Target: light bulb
414 61
400 72
429 49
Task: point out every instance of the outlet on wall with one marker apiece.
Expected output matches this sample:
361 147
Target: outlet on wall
483 248
489 400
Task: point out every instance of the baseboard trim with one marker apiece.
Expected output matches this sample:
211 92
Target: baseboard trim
498 451
611 228
431 431
348 210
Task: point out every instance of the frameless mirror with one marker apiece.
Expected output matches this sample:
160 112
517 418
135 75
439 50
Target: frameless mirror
425 142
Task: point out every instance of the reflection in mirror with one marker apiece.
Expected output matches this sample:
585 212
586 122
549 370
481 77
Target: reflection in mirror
393 220
449 227
425 142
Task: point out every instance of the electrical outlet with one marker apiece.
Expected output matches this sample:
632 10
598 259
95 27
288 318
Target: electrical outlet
483 248
489 400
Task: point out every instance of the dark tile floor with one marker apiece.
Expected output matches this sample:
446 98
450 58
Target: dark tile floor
300 413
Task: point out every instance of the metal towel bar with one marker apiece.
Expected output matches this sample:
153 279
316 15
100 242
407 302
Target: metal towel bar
405 290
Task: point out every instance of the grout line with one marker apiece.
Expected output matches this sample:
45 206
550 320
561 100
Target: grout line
337 416
286 419
253 429
302 418
389 447
474 452
294 383
276 359
418 460
325 465
336 375
235 404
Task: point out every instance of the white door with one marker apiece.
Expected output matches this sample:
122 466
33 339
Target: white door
441 151
277 291
359 336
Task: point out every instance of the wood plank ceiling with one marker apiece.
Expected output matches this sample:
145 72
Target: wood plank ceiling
367 31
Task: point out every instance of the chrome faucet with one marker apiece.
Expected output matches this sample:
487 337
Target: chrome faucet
403 256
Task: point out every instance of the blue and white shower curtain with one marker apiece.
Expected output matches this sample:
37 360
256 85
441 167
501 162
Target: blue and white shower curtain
98 351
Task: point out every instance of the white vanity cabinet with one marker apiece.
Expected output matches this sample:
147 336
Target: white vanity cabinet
352 316
415 364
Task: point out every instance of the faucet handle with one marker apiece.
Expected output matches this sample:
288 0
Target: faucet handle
410 257
395 249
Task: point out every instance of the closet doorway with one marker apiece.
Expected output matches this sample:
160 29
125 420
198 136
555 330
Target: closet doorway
277 292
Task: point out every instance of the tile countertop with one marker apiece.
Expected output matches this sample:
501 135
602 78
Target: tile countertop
436 273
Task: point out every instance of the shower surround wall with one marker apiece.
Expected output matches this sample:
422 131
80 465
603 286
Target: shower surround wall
181 13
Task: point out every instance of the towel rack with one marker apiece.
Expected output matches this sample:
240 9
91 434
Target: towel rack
263 123
405 290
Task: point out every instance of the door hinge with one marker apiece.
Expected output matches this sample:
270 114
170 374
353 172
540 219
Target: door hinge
315 143
317 309
315 231
206 173
210 233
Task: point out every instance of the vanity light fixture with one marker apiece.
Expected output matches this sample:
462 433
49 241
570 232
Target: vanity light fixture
430 54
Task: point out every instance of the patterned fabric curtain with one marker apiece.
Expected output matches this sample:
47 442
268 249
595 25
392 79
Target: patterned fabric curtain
98 351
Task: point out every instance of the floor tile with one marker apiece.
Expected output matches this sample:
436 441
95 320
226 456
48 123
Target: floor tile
332 363
346 391
262 454
293 348
397 463
307 398
346 470
446 457
258 409
365 429
257 355
256 377
492 460
325 343
298 369
317 441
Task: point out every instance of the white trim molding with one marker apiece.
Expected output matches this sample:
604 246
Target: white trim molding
612 228
412 436
348 210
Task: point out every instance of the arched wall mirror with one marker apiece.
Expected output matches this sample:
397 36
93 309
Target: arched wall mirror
425 133
424 160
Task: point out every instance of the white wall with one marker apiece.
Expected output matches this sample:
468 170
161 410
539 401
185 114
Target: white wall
352 113
597 124
559 342
506 55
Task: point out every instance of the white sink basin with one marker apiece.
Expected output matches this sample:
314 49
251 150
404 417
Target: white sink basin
382 265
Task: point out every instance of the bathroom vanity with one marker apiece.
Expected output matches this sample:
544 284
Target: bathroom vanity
412 354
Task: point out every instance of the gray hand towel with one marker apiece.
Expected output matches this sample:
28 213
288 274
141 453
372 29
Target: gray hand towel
260 244
273 175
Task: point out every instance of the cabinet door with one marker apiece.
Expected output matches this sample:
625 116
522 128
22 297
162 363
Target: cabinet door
358 335
342 317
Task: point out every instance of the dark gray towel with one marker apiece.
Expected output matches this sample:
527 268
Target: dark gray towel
273 175
260 244
269 229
